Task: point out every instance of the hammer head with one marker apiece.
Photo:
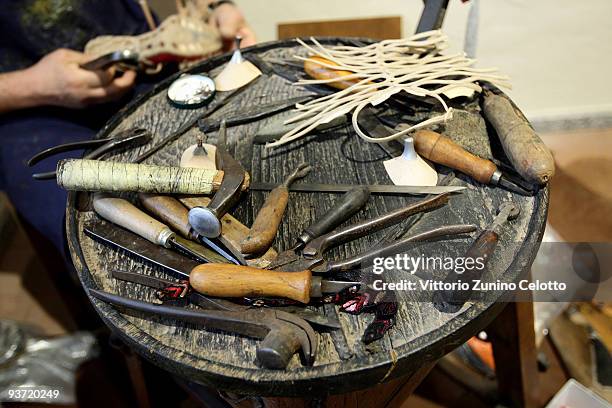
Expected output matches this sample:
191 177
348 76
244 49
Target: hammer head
287 335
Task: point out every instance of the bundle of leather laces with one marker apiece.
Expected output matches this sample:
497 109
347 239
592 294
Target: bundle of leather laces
414 65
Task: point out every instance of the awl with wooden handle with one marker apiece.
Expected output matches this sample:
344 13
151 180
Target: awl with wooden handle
442 150
239 281
268 219
125 214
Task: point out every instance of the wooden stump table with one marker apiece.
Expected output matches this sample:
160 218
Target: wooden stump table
344 363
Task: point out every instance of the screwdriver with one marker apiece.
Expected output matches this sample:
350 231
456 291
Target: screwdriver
125 214
442 150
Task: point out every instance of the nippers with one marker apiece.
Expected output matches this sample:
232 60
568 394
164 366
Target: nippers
126 139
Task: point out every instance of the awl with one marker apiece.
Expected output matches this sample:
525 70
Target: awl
126 215
440 149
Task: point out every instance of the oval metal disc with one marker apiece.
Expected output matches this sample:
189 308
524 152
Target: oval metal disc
204 222
191 90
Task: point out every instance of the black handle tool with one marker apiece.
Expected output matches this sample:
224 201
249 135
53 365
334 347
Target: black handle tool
349 204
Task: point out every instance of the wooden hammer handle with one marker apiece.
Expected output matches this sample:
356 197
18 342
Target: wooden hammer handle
440 149
224 280
125 214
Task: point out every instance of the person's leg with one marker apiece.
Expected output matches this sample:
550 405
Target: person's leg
41 205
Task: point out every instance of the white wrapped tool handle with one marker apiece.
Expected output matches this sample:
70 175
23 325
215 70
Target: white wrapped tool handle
125 214
98 175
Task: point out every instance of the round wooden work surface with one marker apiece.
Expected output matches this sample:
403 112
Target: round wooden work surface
343 363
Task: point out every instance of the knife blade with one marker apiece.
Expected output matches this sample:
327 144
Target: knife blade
342 188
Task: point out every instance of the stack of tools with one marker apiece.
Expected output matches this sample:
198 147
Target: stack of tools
179 218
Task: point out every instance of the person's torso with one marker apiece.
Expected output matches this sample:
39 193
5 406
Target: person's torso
30 29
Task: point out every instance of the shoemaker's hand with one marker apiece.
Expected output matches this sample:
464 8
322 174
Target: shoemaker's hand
58 80
230 22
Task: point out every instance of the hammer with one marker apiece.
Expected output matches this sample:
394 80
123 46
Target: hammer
283 334
206 220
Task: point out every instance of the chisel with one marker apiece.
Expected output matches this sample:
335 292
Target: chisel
126 215
240 281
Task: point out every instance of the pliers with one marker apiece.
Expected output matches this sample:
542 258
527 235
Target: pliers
311 255
127 139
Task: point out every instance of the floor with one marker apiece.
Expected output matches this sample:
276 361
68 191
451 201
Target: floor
581 197
26 294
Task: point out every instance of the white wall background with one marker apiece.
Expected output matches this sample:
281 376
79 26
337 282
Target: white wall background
557 52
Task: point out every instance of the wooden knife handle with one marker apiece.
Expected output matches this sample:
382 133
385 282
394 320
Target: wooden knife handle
169 210
528 154
224 280
440 149
317 71
264 228
125 214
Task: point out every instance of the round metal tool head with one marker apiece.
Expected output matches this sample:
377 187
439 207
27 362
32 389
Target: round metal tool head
205 222
511 209
191 90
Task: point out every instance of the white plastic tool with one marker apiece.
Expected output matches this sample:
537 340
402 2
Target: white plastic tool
410 169
200 155
237 73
